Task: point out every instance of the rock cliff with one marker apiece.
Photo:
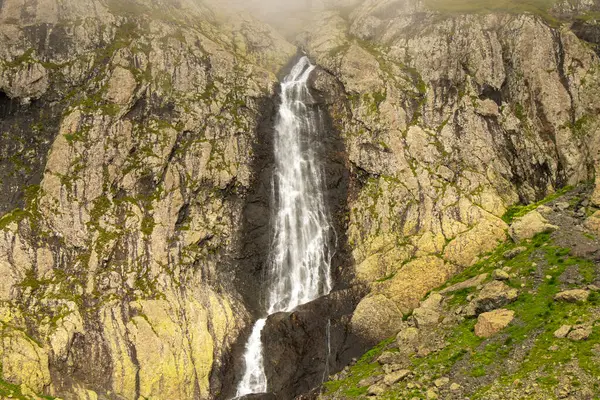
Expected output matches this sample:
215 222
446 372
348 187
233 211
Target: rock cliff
448 119
127 138
135 150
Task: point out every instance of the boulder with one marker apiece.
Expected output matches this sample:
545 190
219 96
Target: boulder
494 295
596 195
408 340
593 223
580 332
529 225
397 376
426 317
573 296
490 323
376 318
370 381
512 253
440 382
390 358
469 283
500 275
376 390
562 332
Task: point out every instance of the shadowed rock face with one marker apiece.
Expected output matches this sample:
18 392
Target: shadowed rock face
303 348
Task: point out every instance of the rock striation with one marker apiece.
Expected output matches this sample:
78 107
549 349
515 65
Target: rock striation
137 122
449 119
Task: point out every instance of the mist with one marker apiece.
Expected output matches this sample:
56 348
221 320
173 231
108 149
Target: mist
287 15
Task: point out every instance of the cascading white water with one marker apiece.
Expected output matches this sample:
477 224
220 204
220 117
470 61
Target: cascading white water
300 258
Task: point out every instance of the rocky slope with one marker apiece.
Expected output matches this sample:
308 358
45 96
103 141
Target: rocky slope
524 322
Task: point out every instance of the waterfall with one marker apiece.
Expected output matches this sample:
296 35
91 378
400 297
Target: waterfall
300 257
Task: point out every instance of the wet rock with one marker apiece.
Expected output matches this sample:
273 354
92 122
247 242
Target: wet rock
529 225
490 323
580 332
562 332
512 253
573 296
494 295
258 396
397 376
300 345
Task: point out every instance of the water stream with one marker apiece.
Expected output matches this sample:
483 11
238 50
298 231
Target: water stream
300 257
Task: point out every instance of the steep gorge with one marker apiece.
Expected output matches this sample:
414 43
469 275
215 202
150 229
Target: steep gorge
136 143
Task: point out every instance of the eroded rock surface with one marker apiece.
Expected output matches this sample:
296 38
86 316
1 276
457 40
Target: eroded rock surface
448 121
118 270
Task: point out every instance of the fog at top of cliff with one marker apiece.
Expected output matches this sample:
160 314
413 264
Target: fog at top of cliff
287 15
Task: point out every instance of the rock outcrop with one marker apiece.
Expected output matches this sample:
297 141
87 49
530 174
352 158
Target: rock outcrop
490 323
448 119
137 122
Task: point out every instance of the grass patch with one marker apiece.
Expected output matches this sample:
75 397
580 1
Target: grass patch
365 367
518 211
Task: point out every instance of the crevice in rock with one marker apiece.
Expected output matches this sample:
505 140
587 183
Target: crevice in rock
7 105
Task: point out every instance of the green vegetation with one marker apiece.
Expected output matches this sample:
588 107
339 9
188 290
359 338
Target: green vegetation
11 391
365 367
535 273
538 7
520 210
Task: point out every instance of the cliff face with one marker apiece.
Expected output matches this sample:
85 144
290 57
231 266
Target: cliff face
127 136
136 165
448 119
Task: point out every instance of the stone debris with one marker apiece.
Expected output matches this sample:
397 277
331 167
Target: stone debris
397 376
562 332
529 225
490 323
512 253
573 296
580 332
500 275
469 283
494 295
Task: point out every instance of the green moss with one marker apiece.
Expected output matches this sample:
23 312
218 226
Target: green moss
366 366
11 391
16 215
520 210
148 225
